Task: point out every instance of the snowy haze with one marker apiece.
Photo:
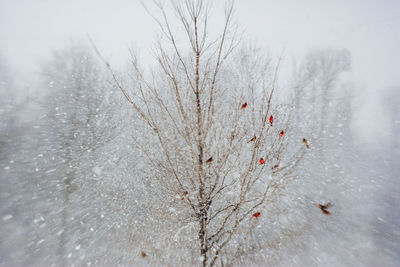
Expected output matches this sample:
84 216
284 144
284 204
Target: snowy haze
30 30
73 189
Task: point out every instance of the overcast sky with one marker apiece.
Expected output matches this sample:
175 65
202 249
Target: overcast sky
31 29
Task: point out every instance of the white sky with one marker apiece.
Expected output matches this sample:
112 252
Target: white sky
31 29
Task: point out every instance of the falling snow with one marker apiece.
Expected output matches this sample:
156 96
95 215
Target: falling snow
80 179
97 170
7 217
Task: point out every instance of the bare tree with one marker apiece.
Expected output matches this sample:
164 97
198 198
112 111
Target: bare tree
316 87
80 120
212 133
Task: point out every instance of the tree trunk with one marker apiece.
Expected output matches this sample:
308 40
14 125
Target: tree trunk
203 235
